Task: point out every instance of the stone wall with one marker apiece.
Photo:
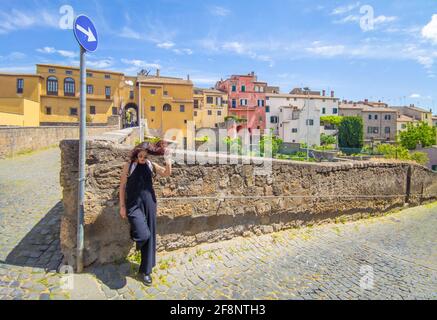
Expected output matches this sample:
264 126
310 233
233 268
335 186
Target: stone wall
14 140
208 203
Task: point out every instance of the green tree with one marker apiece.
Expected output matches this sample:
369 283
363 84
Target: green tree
327 139
334 120
276 143
415 134
351 133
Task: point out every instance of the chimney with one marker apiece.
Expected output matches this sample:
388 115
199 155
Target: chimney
332 94
158 73
324 93
366 100
188 77
252 73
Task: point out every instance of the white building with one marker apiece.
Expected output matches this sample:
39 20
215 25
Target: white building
293 119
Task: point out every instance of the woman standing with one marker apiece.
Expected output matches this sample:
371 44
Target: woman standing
138 205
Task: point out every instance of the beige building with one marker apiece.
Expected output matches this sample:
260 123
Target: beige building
416 113
380 123
403 122
434 121
210 108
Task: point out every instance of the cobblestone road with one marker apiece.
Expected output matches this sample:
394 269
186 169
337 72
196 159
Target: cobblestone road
394 257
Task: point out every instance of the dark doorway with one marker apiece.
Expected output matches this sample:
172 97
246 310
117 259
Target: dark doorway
130 116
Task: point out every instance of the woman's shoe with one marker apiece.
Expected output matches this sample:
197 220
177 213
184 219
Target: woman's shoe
146 279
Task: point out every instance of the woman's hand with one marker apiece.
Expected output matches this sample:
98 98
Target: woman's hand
123 213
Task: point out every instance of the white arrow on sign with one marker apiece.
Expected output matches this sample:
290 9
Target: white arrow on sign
89 33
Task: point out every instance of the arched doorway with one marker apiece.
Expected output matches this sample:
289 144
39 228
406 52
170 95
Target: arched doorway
130 116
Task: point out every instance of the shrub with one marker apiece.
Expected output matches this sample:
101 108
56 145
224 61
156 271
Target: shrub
351 134
327 139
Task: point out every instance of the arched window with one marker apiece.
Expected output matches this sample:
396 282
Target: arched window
52 86
69 87
167 107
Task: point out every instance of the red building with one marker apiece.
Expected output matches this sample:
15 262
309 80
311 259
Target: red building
247 100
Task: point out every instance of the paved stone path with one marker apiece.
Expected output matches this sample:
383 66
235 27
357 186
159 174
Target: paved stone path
393 257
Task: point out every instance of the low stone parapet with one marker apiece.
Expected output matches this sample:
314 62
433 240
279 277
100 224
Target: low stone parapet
214 202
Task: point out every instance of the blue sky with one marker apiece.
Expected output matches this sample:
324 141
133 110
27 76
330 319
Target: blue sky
288 43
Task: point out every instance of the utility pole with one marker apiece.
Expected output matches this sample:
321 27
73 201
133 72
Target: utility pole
307 91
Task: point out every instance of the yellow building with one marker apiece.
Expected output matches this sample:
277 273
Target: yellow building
210 108
167 103
60 89
51 97
19 99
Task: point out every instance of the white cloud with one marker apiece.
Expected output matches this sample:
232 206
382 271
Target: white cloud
183 51
141 64
219 11
425 61
166 45
430 30
13 56
18 69
345 9
384 19
244 50
415 96
130 34
19 20
326 50
100 64
63 53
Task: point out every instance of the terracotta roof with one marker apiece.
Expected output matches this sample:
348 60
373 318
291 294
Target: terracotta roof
413 108
297 96
403 118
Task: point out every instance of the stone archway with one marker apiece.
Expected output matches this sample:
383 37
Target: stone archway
130 116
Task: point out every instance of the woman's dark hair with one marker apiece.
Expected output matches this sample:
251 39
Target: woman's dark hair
153 149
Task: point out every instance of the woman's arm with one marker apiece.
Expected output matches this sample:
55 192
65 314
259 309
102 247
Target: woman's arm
123 182
164 172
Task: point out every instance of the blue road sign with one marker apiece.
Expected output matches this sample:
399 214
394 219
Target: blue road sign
86 33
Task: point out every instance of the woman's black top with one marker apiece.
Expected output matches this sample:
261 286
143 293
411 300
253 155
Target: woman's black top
139 182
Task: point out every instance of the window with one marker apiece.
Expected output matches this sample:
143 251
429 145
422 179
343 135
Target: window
219 113
92 110
387 117
372 130
243 102
90 89
153 91
323 110
370 117
114 111
182 108
434 168
209 113
69 87
167 108
310 122
89 75
267 109
131 95
295 115
234 103
234 88
195 113
48 111
274 119
294 130
261 103
52 86
335 111
165 93
196 104
376 117
69 72
107 76
243 88
261 89
52 70
209 100
73 111
387 130
152 108
218 101
108 92
20 85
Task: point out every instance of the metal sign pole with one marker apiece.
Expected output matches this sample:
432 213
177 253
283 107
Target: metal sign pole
82 159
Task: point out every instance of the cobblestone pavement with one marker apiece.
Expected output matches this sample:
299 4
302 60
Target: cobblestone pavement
393 257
